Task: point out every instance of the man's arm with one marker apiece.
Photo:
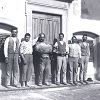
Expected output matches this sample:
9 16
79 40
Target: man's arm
6 47
22 52
67 48
55 46
79 50
34 41
89 49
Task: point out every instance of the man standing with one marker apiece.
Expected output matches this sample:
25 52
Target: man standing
43 61
11 52
27 60
74 55
85 53
62 59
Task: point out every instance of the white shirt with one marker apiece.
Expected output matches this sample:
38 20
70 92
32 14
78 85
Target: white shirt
73 46
6 45
85 44
26 48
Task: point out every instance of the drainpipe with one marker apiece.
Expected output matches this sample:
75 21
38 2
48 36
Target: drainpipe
25 16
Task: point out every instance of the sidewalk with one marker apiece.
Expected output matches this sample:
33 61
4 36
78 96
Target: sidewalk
35 87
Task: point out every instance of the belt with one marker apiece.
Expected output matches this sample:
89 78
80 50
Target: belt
62 55
27 54
45 57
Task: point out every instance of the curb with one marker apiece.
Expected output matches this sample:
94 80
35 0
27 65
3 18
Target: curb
35 87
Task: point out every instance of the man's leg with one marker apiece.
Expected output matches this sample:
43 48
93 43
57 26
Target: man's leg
64 69
16 70
54 69
47 71
59 64
85 69
24 71
81 70
75 70
9 70
41 69
29 69
71 60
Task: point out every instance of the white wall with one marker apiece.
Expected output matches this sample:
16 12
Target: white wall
13 12
76 23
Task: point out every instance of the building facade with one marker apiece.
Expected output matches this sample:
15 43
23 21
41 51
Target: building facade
48 16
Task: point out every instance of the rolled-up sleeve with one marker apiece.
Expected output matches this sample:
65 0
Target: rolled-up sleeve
34 41
22 48
6 47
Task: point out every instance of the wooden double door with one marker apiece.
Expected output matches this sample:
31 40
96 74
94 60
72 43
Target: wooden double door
46 23
51 26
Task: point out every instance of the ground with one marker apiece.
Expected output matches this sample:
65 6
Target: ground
80 92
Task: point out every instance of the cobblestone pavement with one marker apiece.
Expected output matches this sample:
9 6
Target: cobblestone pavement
81 92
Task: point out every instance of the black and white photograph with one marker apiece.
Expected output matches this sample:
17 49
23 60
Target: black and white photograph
49 49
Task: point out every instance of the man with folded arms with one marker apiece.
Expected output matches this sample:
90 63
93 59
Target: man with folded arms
43 49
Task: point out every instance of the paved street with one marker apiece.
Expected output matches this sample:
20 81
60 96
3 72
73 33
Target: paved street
86 92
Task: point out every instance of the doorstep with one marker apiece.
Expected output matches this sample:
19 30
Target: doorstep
35 87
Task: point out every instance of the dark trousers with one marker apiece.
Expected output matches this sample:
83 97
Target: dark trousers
27 68
12 70
54 68
44 70
73 68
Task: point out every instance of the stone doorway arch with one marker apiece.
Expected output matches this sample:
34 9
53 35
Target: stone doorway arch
89 34
7 26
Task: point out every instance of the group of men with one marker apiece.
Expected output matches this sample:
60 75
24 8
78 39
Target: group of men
16 53
71 54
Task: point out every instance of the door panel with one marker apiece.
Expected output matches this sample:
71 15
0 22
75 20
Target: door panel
48 24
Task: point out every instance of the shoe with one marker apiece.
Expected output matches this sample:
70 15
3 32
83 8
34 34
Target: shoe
64 83
81 82
17 86
23 86
86 82
58 83
40 84
27 85
8 86
75 83
71 83
47 83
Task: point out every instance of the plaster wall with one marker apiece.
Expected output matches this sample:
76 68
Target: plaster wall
12 12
